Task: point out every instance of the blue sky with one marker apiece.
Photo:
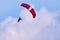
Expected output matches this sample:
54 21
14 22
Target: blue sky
13 8
45 26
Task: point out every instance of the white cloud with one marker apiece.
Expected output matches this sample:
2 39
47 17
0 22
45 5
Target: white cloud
43 27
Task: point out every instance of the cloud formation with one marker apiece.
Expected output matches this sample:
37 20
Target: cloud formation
44 27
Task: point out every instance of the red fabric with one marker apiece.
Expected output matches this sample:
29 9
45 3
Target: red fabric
25 5
32 10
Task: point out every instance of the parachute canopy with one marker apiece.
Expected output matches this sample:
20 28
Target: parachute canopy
32 11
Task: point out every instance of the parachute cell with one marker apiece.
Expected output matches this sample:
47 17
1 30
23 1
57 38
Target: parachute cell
30 9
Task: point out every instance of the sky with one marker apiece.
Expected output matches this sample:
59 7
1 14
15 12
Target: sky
13 8
46 25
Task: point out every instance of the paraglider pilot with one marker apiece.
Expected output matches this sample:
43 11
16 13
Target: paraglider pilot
19 19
